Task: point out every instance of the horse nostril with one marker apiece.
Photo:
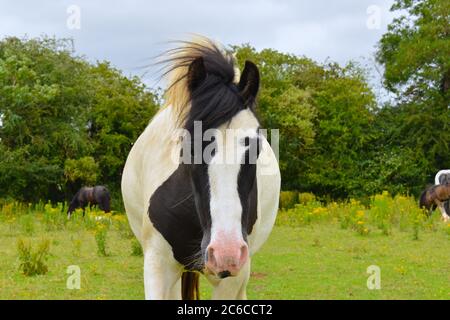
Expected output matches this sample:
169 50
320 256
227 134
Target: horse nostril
224 274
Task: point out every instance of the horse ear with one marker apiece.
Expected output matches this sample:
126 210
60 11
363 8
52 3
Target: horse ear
196 73
249 84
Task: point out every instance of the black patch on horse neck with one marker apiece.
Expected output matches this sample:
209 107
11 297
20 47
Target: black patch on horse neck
173 213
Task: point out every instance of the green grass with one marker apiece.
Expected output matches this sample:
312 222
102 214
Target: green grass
319 260
325 262
316 262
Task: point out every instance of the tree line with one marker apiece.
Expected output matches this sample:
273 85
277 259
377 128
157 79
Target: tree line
65 122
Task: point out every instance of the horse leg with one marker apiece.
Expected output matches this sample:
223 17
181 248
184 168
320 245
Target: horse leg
100 205
162 273
447 207
234 288
442 209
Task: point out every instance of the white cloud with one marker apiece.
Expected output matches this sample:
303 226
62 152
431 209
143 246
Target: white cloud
128 33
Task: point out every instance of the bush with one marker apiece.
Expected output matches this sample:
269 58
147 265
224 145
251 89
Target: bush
288 199
100 238
382 209
306 197
122 226
54 217
27 224
303 214
33 263
384 213
101 228
351 215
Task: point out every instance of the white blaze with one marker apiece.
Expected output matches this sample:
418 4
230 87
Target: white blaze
225 204
223 172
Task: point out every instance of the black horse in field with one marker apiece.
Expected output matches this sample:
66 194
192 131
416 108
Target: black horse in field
98 195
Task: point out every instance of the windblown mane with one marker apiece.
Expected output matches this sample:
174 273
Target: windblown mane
216 100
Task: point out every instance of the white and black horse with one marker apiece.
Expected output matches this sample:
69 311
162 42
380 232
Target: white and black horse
192 211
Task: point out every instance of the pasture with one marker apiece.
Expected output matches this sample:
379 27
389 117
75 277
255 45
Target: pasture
315 251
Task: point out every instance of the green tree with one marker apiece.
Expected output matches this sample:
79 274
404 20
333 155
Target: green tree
415 52
121 108
84 170
346 107
283 105
323 112
56 106
41 100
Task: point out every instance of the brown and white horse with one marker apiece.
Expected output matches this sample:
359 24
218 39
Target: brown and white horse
201 184
443 177
436 196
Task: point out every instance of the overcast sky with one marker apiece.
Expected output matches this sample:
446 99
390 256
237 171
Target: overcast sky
128 33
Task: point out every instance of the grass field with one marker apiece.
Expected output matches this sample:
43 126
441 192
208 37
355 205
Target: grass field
312 253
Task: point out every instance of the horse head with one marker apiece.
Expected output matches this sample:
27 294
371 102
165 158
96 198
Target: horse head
219 155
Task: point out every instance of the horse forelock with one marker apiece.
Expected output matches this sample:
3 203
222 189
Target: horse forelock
219 64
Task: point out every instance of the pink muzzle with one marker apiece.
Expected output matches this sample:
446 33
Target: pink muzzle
226 258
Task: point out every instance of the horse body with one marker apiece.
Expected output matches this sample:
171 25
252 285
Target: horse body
208 217
148 168
98 195
436 196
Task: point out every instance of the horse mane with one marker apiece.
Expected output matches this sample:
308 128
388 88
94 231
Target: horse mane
190 286
217 99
